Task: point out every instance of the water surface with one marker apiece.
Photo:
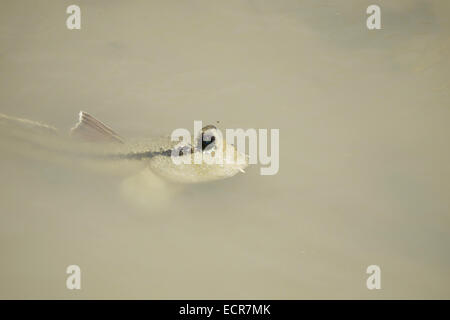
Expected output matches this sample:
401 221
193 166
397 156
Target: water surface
364 154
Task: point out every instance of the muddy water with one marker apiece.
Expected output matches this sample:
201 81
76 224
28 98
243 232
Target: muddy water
364 157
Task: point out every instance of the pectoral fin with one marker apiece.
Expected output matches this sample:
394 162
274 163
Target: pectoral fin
90 129
147 190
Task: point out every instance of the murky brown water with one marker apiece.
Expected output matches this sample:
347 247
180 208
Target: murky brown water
364 152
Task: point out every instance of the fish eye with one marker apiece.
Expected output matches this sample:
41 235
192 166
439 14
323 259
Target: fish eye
209 143
207 138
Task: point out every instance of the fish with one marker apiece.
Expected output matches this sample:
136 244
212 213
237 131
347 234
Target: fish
92 141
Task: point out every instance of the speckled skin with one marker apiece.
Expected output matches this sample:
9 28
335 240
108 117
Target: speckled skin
154 153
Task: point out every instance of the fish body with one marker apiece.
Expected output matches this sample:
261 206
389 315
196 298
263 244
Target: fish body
93 143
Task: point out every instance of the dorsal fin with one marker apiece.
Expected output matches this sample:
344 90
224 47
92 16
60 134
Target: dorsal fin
90 129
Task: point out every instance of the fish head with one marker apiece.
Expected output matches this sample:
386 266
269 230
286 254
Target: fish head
224 159
210 158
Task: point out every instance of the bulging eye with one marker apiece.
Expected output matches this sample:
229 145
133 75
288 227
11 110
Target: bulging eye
208 142
207 139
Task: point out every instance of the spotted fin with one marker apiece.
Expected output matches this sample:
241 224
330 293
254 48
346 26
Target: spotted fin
92 130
